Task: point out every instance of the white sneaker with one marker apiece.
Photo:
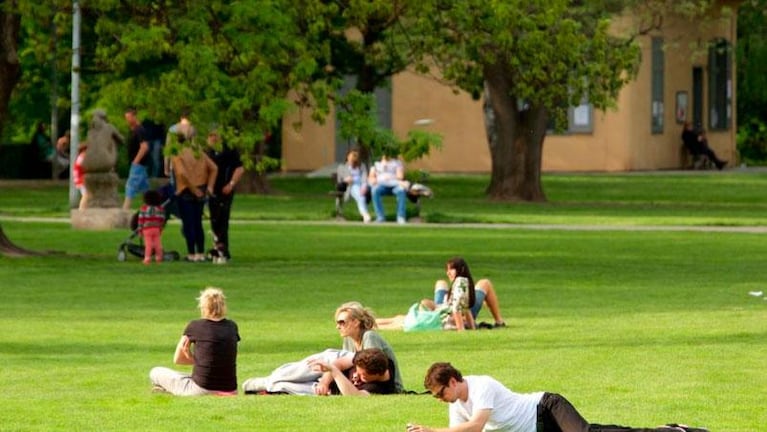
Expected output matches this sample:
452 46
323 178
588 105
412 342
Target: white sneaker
254 385
366 218
401 220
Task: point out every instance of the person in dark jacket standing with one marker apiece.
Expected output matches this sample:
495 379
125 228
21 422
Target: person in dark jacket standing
230 171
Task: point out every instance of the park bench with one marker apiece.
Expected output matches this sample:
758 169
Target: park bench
415 193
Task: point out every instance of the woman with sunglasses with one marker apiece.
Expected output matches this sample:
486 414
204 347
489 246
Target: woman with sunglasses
356 325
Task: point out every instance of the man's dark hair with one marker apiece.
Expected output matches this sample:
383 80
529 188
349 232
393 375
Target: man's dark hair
373 360
439 374
131 110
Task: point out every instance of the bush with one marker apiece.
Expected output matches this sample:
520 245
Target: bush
752 142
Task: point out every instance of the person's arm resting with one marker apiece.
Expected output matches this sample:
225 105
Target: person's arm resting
336 369
238 172
475 424
344 385
400 172
183 354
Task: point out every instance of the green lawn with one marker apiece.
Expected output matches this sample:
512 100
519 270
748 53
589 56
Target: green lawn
640 328
711 198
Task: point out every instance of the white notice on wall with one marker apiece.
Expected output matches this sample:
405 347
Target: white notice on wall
581 115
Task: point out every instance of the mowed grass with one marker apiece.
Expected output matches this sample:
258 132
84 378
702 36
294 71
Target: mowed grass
707 198
639 328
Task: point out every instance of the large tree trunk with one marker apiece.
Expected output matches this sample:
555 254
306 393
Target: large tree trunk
366 83
254 182
7 248
10 67
516 148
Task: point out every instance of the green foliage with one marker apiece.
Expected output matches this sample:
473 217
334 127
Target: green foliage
44 48
751 57
534 60
550 53
368 40
358 120
752 141
232 64
370 43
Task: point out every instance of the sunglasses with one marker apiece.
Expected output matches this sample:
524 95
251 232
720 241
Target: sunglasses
341 322
441 393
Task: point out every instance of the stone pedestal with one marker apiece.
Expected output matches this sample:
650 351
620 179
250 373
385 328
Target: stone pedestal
101 218
102 190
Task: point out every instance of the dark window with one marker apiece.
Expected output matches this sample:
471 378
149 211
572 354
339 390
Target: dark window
657 85
720 85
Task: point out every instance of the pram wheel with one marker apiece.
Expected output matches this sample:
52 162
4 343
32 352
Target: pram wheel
171 256
121 255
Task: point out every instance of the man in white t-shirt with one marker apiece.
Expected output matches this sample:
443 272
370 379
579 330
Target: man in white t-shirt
388 178
480 403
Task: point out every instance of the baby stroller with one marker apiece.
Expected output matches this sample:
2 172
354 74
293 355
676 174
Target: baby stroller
130 246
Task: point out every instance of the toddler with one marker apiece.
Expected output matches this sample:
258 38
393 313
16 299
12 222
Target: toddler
151 220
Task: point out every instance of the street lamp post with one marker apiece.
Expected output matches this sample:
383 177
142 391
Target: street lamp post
74 121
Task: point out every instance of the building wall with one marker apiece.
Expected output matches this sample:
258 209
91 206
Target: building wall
307 145
456 117
621 138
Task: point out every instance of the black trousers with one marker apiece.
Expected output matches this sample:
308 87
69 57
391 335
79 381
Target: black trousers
190 210
704 149
557 414
220 211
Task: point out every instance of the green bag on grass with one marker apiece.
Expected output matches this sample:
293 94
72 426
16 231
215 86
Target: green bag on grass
423 319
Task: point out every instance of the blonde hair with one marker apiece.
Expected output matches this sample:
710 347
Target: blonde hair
362 314
212 303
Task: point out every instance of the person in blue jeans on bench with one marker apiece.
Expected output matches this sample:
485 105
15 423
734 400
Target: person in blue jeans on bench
388 178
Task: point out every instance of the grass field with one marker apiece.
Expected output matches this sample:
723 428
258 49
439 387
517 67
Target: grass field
640 328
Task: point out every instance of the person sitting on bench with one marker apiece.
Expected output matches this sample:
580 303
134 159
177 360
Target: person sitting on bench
697 144
388 178
352 178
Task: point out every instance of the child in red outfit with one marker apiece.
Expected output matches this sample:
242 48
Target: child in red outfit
78 174
151 220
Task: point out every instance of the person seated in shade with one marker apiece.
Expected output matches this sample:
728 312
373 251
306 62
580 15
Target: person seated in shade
697 144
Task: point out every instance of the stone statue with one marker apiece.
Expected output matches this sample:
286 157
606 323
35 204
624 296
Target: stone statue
103 139
99 163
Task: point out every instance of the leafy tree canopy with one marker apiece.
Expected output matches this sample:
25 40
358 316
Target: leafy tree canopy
231 63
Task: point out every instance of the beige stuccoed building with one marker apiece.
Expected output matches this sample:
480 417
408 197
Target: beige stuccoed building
687 73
